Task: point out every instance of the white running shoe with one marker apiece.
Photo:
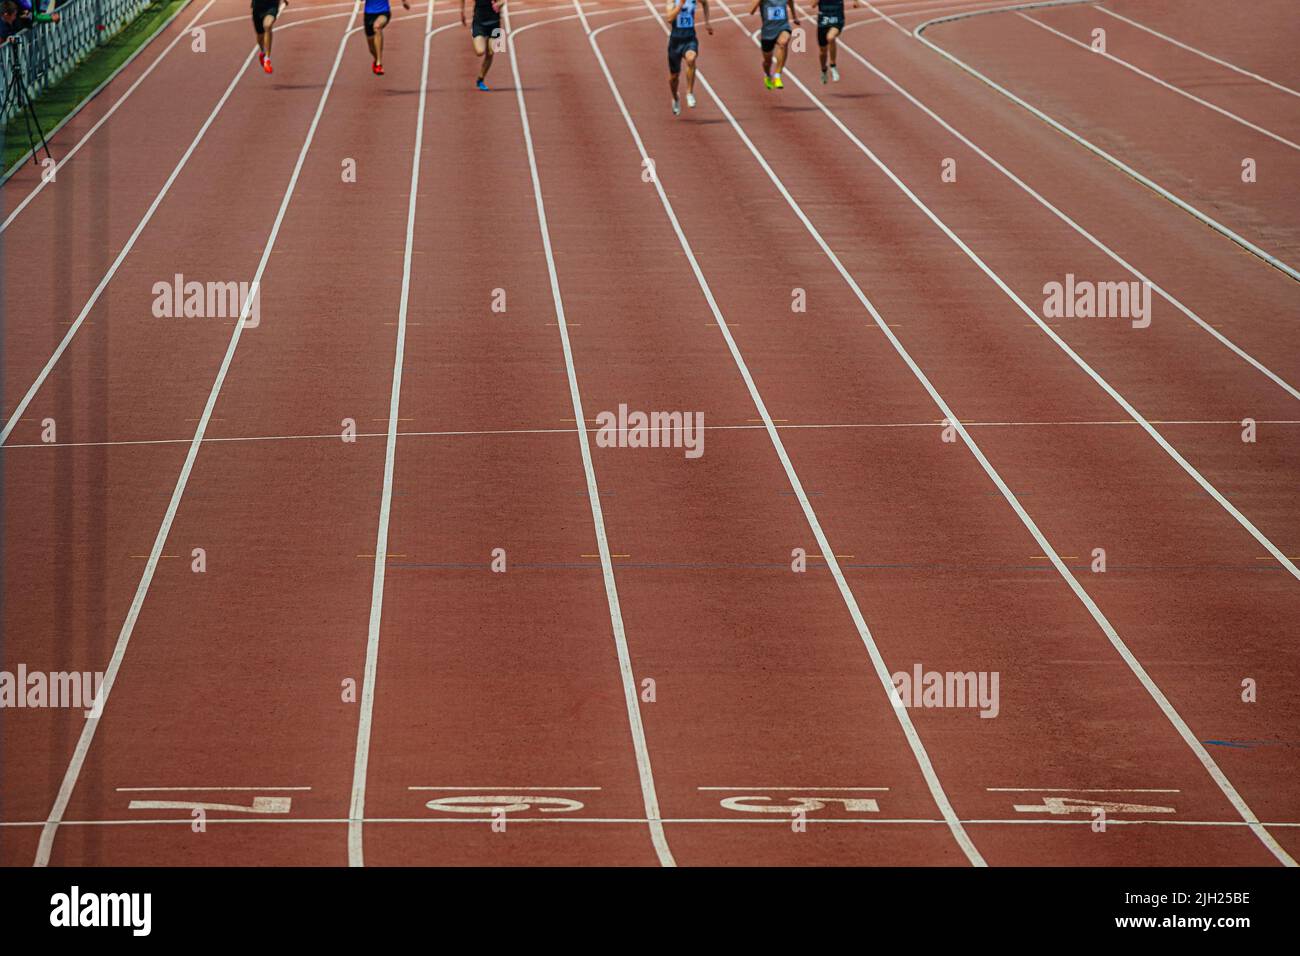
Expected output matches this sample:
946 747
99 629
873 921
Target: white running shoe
835 74
677 108
690 100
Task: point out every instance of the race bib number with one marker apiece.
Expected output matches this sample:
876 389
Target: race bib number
776 11
686 20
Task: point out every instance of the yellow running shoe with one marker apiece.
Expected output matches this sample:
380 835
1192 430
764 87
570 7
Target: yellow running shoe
767 81
776 82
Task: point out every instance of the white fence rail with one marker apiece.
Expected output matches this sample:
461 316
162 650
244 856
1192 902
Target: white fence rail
47 52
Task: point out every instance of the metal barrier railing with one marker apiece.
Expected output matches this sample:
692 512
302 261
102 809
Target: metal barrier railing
47 52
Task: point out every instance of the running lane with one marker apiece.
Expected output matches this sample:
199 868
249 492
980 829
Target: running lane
498 683
751 686
233 675
889 81
61 238
1189 149
1214 342
1241 33
1059 701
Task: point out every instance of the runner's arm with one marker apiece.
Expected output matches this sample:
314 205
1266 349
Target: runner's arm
707 25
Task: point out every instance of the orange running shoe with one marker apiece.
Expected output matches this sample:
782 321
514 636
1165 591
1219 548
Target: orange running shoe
379 70
266 63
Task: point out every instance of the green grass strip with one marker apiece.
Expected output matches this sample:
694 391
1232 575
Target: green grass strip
64 97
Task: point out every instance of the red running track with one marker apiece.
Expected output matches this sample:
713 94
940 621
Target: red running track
501 266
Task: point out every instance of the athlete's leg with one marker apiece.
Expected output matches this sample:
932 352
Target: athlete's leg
381 21
781 43
488 53
831 34
268 25
690 75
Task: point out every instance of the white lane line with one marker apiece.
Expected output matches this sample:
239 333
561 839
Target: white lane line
642 821
21 408
800 789
1060 343
1114 256
111 110
1200 53
357 810
1192 741
1161 82
1076 790
644 771
478 433
198 789
1064 130
884 16
929 10
60 806
864 632
504 789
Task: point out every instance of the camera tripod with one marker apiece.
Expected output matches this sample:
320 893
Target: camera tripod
16 92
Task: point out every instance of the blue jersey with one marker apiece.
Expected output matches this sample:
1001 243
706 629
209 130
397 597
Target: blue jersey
684 22
378 6
774 15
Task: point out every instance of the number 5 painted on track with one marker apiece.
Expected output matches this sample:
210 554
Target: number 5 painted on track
799 804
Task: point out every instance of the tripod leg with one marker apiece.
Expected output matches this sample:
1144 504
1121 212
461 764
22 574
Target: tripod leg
35 121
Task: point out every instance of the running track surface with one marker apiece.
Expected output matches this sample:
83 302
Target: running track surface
825 431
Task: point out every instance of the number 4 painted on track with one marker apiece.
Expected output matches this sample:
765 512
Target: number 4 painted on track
1061 805
260 805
